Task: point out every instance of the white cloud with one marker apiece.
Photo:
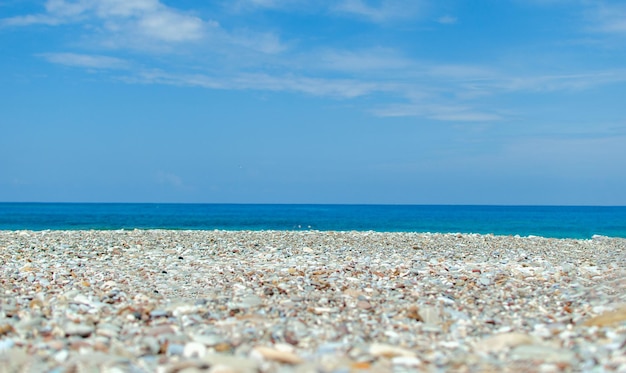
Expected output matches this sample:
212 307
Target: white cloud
170 26
564 82
150 26
386 10
86 61
148 18
466 116
32 19
66 9
339 88
269 4
445 92
127 8
378 11
441 112
244 59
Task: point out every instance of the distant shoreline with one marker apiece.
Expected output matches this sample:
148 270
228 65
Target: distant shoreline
545 221
311 231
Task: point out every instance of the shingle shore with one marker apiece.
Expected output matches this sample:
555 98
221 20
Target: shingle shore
309 301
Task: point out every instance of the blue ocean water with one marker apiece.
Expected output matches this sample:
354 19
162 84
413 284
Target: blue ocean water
547 221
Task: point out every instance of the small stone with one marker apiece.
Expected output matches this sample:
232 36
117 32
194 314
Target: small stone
174 349
484 280
150 345
239 363
220 368
80 345
610 318
413 313
81 330
107 330
406 361
546 354
6 329
194 349
208 340
6 344
430 315
161 330
361 365
61 356
223 347
251 301
280 356
100 346
187 366
364 305
500 342
389 351
158 313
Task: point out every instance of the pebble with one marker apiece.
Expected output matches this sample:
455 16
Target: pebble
546 354
194 350
78 329
609 318
6 344
430 315
503 341
278 355
308 301
406 361
389 351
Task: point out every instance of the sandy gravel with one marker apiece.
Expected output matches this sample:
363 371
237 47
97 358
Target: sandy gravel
308 301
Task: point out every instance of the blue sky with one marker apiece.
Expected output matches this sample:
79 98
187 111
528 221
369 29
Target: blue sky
290 101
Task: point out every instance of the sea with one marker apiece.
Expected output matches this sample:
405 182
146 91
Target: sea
581 222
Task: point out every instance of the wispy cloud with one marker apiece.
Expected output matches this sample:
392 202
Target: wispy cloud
377 11
437 111
31 19
266 4
86 61
200 52
170 26
339 88
563 82
384 11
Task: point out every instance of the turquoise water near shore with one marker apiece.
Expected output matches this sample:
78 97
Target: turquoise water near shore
547 221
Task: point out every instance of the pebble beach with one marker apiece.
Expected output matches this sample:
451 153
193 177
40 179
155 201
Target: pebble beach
309 301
